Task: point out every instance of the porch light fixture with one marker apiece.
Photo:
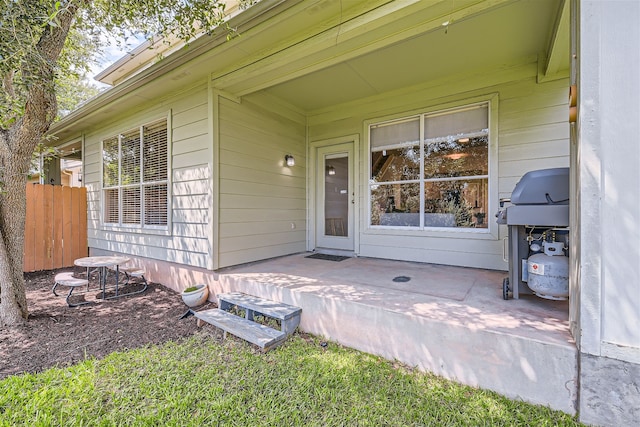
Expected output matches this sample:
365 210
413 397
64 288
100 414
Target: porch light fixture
332 170
289 160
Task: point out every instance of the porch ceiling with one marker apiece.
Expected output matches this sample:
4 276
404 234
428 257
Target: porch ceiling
513 33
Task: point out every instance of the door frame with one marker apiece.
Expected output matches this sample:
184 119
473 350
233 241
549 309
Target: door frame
312 180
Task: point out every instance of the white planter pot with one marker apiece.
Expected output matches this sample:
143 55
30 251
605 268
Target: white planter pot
197 297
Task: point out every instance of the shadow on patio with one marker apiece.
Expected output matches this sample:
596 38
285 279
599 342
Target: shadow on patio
448 320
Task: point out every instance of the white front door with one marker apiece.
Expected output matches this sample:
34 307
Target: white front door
335 197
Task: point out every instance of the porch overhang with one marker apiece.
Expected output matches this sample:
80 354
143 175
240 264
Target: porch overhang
363 53
315 54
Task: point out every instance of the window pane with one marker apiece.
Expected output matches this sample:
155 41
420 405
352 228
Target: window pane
111 206
395 134
399 164
155 205
130 147
461 203
131 205
110 162
457 157
471 120
155 152
396 205
336 195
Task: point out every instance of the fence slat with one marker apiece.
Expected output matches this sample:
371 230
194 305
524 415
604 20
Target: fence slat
82 237
29 261
67 226
56 215
39 247
55 226
47 224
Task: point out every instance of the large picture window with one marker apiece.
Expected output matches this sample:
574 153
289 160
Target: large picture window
431 170
135 177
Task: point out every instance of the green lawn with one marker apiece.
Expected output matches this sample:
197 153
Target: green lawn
203 381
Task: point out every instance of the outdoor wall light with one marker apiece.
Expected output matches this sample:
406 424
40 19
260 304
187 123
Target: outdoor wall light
332 170
289 160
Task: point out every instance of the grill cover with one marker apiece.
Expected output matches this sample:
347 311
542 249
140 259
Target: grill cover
542 187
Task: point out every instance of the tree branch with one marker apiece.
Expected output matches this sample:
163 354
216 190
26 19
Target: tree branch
39 68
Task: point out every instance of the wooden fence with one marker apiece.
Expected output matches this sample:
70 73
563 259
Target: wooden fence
55 226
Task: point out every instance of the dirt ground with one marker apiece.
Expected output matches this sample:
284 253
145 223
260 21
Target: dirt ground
58 335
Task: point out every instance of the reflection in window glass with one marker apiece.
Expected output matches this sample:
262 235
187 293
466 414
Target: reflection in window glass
130 158
431 170
110 152
455 203
396 204
455 159
400 164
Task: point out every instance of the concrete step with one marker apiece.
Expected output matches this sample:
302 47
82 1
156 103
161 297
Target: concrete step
288 315
263 336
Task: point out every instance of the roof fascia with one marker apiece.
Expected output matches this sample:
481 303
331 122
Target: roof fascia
248 19
141 57
104 75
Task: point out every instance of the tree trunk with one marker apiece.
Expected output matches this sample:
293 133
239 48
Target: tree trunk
17 145
13 301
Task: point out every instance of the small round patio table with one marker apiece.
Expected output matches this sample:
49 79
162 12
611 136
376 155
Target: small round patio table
102 262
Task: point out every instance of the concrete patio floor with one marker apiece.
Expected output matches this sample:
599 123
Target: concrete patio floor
451 321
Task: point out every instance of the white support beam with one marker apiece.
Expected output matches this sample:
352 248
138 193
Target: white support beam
555 62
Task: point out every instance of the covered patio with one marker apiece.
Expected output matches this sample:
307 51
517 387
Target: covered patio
449 320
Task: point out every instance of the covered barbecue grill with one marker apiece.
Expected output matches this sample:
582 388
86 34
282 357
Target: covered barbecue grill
538 221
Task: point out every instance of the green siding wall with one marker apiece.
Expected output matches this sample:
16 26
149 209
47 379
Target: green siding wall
262 201
187 241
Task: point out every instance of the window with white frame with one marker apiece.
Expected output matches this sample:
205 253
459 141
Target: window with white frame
431 170
135 177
